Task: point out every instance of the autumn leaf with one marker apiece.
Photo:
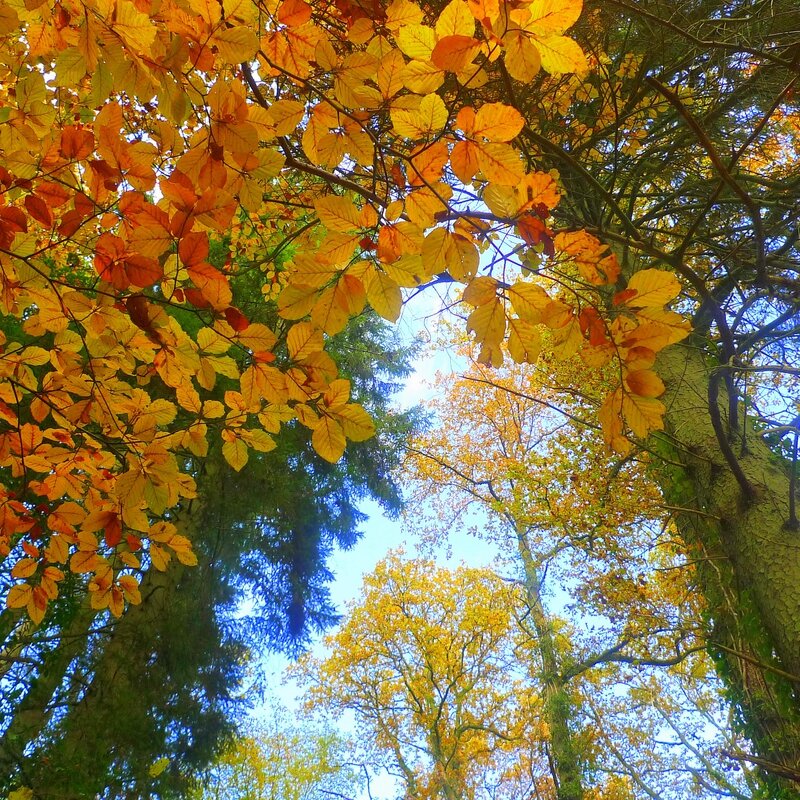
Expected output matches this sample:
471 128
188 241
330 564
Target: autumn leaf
328 439
653 288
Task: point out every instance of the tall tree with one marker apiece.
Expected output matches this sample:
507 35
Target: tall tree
280 760
171 667
425 663
385 147
584 533
684 156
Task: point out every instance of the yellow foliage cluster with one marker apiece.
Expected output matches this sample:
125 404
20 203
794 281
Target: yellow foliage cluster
137 134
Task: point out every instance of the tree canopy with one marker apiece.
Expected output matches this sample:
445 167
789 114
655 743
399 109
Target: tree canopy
196 197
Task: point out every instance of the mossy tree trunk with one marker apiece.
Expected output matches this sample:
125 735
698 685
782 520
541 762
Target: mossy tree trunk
747 558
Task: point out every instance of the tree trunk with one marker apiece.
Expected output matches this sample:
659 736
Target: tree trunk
79 764
557 709
35 709
746 557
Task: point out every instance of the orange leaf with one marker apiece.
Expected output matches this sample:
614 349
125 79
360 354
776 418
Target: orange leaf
453 53
213 285
645 382
19 595
294 13
193 248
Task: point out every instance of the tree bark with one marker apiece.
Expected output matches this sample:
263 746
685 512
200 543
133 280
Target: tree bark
746 556
557 707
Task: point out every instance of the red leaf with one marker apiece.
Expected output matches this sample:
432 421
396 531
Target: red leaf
39 210
113 534
143 271
195 297
12 221
236 319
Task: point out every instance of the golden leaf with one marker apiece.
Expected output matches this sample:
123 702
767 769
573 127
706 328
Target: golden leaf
561 54
553 16
643 414
235 453
653 287
644 382
19 595
328 439
337 213
521 57
497 122
303 339
384 295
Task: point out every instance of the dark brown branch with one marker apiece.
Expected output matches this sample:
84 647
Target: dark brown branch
722 436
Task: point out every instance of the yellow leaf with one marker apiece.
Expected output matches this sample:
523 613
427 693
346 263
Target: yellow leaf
659 328
130 588
643 414
384 295
497 122
416 41
561 54
286 115
84 561
236 45
304 339
235 453
500 163
356 422
422 77
58 549
337 394
407 271
653 287
24 568
337 213
462 257
480 291
553 16
213 409
402 12
455 20
70 67
528 300
390 74
258 440
134 27
422 205
157 767
328 439
428 119
521 57
160 557
610 416
524 341
257 337
296 300
488 322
